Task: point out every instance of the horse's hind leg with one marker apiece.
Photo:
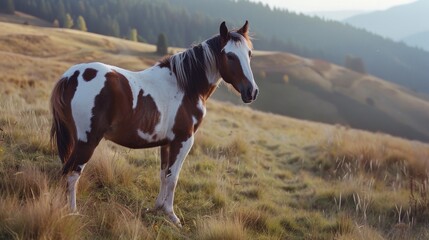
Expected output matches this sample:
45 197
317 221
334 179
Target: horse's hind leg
81 154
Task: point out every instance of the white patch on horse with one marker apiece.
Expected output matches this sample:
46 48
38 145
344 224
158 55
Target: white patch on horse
84 98
201 107
241 50
72 181
145 136
171 180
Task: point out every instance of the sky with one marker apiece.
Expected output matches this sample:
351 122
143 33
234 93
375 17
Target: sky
307 6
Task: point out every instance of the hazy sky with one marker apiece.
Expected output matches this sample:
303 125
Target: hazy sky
333 5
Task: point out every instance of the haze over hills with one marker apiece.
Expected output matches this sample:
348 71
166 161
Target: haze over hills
398 23
187 21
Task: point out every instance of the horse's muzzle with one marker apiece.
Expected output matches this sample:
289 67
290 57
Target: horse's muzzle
249 95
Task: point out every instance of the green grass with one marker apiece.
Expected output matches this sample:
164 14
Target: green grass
250 175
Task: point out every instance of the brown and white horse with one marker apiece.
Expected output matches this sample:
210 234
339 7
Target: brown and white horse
160 106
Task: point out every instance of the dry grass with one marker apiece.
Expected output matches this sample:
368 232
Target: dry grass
250 175
221 228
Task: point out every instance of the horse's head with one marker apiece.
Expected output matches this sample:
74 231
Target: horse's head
235 61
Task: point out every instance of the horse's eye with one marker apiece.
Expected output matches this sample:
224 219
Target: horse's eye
230 57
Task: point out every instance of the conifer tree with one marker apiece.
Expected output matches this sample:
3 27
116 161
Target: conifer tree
161 46
81 24
61 13
68 21
133 35
7 6
56 23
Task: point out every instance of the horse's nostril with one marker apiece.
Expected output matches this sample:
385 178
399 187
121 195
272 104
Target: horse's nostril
249 92
256 94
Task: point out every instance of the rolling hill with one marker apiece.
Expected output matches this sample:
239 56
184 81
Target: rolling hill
250 174
397 23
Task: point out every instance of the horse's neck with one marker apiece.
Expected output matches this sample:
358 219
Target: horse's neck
203 76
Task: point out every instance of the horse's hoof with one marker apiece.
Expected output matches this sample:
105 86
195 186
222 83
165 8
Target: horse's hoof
175 220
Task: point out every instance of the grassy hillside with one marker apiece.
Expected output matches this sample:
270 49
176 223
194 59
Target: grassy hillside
319 91
250 175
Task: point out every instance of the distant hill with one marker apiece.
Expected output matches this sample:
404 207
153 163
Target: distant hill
397 22
419 39
187 21
337 15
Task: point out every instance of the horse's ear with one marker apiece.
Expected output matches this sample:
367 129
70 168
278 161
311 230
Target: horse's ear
223 30
244 29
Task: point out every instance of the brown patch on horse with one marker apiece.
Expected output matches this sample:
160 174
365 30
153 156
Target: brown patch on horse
147 113
89 74
236 78
183 127
124 121
63 131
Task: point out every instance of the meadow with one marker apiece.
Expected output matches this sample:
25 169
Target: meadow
250 174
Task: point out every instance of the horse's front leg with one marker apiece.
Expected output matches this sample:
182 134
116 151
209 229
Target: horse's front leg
176 153
165 155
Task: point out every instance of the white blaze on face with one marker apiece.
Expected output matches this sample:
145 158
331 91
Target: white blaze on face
241 50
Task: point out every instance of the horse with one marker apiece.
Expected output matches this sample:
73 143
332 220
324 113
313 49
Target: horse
161 106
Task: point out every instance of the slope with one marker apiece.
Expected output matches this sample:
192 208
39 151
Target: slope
319 91
250 175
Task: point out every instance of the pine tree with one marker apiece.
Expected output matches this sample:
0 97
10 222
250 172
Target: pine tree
161 46
7 6
56 23
68 21
61 13
355 63
133 35
81 24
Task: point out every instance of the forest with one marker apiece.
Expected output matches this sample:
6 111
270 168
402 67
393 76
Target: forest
186 21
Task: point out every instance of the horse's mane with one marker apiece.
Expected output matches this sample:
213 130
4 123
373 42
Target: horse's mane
196 65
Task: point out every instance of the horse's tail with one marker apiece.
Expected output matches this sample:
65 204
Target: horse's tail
61 130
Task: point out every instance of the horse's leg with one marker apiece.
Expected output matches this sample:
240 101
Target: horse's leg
73 168
178 152
165 153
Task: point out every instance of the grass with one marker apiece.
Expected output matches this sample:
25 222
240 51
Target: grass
250 175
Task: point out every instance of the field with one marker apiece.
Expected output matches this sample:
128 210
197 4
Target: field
250 175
